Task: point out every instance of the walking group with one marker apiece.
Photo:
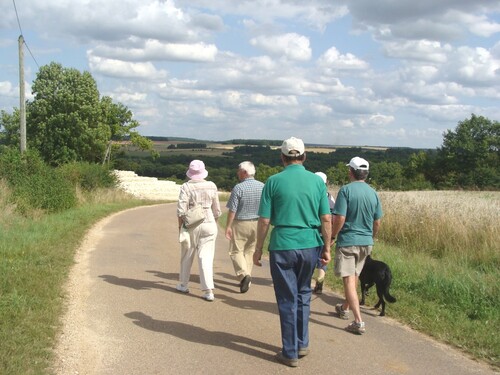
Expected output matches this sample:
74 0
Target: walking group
305 221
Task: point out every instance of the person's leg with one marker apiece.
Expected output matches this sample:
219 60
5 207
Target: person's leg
305 269
283 264
251 241
206 251
187 256
236 250
351 295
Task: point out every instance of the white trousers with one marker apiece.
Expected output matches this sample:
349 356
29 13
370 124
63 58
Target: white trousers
203 246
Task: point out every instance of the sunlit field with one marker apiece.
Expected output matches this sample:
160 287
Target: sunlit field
458 225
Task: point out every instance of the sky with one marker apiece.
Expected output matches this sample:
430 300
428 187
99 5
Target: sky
395 73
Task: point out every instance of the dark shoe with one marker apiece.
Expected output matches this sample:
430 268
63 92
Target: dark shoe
245 284
303 352
318 288
291 362
343 314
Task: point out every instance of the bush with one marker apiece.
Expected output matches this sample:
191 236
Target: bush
88 176
35 185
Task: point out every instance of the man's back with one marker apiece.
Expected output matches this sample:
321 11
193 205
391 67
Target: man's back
360 205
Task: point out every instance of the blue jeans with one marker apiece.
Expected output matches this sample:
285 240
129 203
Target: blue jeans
291 271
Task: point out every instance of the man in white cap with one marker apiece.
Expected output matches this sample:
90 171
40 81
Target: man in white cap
295 203
356 221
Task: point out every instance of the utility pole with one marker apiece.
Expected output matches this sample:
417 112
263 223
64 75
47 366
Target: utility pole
22 101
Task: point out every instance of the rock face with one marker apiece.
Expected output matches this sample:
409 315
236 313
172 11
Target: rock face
147 187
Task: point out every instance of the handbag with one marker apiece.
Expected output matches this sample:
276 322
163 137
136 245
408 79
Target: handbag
194 217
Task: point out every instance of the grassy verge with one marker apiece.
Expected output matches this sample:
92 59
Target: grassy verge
35 258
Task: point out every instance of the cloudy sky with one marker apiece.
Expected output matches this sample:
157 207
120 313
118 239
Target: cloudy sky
338 72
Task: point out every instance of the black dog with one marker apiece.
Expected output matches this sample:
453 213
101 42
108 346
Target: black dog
378 273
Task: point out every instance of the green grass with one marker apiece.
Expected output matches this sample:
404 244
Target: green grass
35 258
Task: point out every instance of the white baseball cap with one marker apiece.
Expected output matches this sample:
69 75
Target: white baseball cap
322 175
358 163
292 144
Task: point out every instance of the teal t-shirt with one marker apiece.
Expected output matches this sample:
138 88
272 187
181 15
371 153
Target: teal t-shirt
360 205
294 201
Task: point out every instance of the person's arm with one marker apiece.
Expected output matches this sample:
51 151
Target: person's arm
326 233
376 227
229 229
262 229
337 224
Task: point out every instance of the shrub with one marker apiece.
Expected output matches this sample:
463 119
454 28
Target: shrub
88 176
35 185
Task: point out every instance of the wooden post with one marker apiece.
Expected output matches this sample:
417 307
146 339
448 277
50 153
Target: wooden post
22 100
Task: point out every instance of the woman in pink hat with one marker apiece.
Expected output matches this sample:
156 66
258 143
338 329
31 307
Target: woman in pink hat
199 241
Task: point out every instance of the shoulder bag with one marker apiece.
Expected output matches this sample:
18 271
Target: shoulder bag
195 215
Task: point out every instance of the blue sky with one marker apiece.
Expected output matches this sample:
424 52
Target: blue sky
349 72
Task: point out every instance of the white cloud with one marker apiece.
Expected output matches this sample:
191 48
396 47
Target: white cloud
123 69
419 50
156 50
291 45
332 60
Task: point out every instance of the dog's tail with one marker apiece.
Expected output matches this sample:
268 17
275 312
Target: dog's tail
387 296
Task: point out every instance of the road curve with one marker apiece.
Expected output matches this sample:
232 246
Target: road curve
125 317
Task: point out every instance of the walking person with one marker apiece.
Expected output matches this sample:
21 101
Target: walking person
199 241
295 203
356 221
320 278
241 227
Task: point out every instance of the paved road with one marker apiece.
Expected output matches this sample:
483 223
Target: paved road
125 316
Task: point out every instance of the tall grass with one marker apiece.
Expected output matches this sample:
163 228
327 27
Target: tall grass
457 226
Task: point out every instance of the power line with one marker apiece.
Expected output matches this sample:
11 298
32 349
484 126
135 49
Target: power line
17 16
21 31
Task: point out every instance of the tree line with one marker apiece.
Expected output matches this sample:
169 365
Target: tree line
69 121
467 159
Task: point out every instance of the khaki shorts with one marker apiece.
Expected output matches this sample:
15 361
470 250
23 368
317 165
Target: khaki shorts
350 260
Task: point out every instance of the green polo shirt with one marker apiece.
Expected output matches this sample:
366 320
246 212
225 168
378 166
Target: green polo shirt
294 201
360 205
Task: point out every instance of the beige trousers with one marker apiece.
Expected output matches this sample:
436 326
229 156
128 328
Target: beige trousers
242 246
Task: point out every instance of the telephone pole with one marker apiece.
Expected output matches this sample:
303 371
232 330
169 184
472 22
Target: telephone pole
22 101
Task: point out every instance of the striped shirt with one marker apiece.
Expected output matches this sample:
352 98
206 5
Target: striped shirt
245 199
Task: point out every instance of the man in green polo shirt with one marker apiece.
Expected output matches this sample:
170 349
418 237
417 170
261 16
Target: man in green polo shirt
295 203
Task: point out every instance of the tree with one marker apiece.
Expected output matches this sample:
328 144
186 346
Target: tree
469 156
63 121
121 124
10 134
68 121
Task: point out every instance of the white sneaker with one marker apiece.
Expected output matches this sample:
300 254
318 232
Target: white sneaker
208 296
181 288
